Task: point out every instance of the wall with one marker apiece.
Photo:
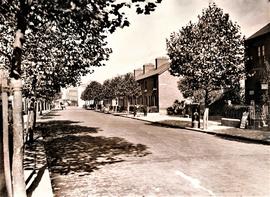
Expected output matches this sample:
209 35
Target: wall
168 91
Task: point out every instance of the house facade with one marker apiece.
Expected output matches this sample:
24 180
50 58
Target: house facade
158 87
257 83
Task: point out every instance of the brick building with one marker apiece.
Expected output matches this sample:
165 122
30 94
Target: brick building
258 69
158 86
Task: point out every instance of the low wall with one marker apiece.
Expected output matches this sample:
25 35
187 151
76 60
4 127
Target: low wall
230 122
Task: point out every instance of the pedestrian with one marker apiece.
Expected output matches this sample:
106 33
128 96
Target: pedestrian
145 110
62 105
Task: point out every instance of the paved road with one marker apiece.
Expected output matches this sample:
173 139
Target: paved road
95 154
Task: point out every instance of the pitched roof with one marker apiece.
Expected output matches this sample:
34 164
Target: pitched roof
262 31
161 69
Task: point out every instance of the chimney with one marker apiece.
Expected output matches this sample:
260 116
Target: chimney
161 60
138 72
148 67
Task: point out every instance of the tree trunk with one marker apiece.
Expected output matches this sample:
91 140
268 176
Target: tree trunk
128 104
16 82
17 164
96 104
35 114
3 188
40 107
206 111
7 168
27 125
30 126
3 191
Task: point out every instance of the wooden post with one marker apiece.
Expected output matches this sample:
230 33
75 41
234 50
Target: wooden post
205 119
19 189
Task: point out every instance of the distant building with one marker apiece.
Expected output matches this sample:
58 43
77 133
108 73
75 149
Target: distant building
72 96
158 86
81 88
257 83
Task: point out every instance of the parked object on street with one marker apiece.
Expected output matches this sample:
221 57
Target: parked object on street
195 115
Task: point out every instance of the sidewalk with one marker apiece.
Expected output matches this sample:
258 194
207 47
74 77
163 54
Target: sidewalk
214 128
36 173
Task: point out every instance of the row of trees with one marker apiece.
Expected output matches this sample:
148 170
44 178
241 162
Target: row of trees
122 86
51 44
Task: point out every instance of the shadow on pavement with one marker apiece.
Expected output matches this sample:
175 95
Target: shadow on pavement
71 149
242 139
34 155
36 181
35 162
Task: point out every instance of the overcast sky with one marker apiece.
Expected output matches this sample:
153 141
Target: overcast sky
145 38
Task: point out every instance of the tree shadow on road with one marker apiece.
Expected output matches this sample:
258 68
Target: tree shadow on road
49 115
58 128
71 148
170 124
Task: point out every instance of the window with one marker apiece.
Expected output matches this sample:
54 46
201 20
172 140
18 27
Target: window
263 54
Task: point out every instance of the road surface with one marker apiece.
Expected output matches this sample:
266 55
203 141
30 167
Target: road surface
96 154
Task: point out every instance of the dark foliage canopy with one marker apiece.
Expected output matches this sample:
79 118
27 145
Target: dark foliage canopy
209 54
60 40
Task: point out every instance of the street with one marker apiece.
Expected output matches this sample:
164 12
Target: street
95 154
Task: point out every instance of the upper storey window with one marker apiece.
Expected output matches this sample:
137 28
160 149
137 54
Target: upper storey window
261 54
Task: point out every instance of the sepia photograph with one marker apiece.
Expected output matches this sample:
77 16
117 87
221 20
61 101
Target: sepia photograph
135 98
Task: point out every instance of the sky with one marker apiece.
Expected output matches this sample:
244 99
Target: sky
145 38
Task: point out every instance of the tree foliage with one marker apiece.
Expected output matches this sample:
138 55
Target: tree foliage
92 91
125 86
119 86
209 53
62 37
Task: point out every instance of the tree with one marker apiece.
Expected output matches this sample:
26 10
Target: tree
107 91
209 54
83 24
128 88
92 92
